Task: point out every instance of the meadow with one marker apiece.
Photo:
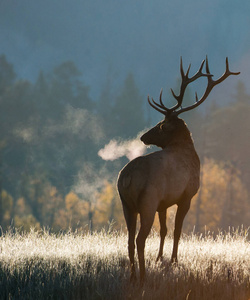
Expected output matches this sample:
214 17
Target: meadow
78 265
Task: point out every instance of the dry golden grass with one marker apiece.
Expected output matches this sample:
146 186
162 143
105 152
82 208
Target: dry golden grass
40 265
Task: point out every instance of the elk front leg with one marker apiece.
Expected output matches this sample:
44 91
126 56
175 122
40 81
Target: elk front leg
147 219
163 231
131 218
180 215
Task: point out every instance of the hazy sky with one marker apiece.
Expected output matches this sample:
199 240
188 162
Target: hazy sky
114 37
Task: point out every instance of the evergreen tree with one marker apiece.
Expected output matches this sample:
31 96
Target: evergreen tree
105 109
241 94
7 74
128 114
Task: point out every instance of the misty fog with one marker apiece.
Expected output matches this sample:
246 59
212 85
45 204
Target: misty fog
117 37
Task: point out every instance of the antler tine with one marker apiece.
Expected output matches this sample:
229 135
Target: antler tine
174 95
187 73
160 99
207 67
201 66
181 69
226 74
161 105
157 104
184 84
185 81
196 97
199 73
210 85
158 107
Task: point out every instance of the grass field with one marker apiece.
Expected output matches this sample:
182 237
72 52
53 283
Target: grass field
40 265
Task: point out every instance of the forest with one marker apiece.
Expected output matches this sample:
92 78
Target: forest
51 131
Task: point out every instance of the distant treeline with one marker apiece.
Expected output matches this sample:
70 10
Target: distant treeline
50 134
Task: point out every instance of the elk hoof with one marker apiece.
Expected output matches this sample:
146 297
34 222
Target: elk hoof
133 278
174 261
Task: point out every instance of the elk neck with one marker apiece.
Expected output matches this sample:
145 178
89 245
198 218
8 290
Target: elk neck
181 137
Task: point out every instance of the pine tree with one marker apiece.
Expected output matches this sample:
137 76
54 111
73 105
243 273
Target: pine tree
128 113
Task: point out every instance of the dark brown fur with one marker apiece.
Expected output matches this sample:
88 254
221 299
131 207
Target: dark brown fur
157 181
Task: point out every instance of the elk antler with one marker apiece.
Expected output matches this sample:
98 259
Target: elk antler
185 81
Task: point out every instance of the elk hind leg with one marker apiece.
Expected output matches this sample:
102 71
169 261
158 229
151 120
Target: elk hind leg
179 218
131 218
163 231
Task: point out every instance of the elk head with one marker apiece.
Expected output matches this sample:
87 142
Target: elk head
172 128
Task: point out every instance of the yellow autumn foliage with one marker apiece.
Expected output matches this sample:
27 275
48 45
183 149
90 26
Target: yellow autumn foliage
222 200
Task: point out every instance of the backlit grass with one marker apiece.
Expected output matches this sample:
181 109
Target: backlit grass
40 265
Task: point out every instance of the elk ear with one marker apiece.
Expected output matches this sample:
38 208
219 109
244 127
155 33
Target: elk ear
162 126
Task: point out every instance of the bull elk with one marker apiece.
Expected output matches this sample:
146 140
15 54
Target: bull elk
154 182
